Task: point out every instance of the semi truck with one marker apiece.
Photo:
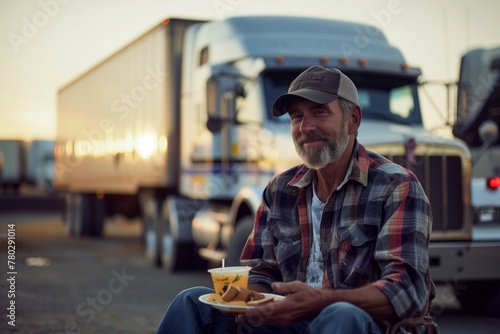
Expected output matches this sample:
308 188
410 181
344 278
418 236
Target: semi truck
26 163
477 123
40 164
177 127
13 164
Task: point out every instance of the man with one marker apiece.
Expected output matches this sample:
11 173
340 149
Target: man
344 237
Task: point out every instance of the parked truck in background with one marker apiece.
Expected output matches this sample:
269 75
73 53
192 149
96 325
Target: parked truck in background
14 164
40 165
177 127
477 124
27 163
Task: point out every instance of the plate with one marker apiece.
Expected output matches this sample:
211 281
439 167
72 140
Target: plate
234 308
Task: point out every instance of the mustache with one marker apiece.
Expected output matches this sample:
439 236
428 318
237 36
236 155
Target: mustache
311 136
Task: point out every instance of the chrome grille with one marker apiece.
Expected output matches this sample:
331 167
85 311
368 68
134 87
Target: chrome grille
441 177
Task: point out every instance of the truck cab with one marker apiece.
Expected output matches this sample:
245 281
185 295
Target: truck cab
477 124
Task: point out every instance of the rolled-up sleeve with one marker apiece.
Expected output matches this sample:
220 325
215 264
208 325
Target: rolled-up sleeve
402 250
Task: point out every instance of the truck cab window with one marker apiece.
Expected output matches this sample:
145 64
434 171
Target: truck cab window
401 101
397 104
247 107
389 100
381 98
275 84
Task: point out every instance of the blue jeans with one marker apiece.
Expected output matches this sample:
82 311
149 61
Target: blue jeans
187 314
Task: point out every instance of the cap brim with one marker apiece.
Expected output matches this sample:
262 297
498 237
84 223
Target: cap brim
316 96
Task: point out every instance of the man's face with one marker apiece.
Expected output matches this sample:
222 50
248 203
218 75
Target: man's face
320 132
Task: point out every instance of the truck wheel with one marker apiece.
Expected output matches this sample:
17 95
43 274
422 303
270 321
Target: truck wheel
97 216
243 229
85 215
81 215
152 233
176 255
478 296
69 214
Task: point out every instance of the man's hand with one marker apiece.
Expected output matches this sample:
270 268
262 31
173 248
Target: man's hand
301 302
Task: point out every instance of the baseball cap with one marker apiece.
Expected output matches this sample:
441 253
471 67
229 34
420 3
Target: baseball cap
320 85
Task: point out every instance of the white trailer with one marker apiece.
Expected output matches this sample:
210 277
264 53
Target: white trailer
178 124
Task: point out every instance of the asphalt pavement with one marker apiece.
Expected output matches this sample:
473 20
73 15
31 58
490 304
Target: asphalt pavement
66 285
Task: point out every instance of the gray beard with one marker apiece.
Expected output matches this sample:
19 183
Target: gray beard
331 151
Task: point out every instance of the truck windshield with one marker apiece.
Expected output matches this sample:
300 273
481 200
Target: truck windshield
386 98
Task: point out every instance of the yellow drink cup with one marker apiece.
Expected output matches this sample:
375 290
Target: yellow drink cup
222 277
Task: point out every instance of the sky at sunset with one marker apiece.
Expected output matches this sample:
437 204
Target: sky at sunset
45 44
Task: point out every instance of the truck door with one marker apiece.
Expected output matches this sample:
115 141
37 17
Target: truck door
212 158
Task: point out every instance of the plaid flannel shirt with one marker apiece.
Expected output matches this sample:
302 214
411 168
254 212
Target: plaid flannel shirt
375 229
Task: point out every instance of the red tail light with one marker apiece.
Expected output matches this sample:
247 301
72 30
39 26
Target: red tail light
493 182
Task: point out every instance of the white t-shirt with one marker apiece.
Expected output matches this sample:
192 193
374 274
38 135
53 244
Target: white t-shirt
315 266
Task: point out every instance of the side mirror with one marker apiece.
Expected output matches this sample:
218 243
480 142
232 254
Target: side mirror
239 90
214 124
488 132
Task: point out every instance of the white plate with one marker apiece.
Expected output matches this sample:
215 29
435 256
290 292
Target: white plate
234 308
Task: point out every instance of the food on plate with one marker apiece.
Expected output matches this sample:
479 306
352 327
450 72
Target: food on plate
238 296
261 301
238 293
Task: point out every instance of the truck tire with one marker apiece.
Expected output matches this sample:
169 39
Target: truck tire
152 234
98 216
81 215
243 229
178 250
175 254
478 296
69 214
85 215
